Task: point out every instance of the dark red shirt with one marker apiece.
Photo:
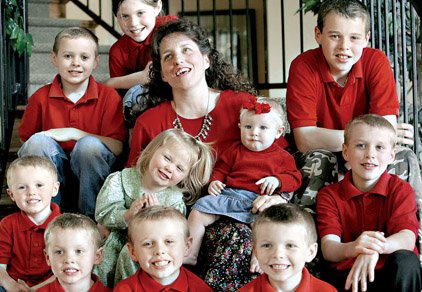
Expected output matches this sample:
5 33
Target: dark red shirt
240 168
314 99
22 247
56 287
127 56
141 281
345 211
99 112
308 284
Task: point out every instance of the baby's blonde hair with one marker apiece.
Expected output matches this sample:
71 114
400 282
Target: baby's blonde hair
34 161
75 33
201 160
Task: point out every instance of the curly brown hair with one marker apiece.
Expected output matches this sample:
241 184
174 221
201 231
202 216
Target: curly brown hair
221 75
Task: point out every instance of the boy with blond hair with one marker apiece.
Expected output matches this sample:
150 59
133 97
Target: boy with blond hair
159 240
32 182
75 121
72 248
367 222
284 240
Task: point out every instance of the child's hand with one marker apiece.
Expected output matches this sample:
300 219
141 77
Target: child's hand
369 242
64 134
268 185
405 134
150 200
136 205
363 270
215 187
105 232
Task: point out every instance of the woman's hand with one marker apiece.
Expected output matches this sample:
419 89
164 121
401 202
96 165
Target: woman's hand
263 202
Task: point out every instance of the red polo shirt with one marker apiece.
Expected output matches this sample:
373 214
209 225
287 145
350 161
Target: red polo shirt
345 211
99 112
308 284
141 281
223 131
22 247
56 287
127 56
314 99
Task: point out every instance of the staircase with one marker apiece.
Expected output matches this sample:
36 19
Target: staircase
44 24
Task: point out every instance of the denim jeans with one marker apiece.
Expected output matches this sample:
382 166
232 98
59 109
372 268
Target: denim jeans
90 162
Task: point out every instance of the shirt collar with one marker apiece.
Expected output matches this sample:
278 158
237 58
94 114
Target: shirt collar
149 284
56 90
25 223
350 191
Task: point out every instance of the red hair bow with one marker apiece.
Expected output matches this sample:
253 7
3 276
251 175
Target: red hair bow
259 108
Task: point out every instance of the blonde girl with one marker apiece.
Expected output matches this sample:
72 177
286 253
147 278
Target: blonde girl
171 171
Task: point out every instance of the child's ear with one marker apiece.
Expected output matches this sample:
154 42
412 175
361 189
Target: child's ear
312 251
47 258
56 188
53 59
318 34
280 132
132 252
158 8
344 152
188 245
10 193
97 61
99 253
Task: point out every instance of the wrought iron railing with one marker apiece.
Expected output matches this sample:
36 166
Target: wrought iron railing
13 89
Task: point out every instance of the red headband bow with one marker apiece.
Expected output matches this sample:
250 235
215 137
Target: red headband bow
254 105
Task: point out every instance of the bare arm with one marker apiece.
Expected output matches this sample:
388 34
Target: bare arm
67 134
312 138
130 80
404 239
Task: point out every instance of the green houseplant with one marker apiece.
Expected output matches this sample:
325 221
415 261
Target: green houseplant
19 40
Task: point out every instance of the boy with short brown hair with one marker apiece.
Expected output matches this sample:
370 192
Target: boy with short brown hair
75 121
159 240
32 182
284 239
367 222
72 248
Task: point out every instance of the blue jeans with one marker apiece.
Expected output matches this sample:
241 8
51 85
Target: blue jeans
90 161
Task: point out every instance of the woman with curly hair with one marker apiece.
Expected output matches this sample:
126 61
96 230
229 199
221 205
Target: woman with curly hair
194 89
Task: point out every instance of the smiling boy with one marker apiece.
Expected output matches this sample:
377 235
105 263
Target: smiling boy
159 240
75 121
284 240
367 222
330 85
32 182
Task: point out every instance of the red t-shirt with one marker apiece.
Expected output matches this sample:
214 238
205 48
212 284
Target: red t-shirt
308 284
56 287
141 281
127 56
22 247
345 211
240 168
99 112
224 130
314 99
